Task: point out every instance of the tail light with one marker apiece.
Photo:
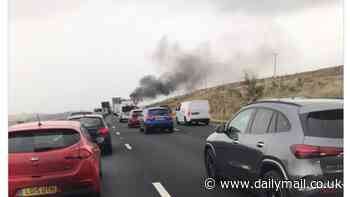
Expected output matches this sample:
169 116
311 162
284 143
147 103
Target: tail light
80 153
303 151
103 131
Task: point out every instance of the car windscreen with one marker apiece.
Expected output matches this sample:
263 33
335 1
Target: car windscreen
158 112
41 140
90 122
327 124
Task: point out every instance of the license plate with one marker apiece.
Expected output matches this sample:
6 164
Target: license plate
38 191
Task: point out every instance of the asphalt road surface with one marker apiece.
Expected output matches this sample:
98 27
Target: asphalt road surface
157 164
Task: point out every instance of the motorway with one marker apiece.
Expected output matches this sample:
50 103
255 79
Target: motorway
157 164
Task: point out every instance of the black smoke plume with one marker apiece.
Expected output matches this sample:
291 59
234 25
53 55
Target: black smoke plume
181 69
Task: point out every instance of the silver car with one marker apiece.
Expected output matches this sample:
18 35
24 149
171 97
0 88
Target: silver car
281 139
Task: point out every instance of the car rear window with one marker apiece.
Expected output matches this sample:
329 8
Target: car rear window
40 141
137 113
90 122
158 112
328 124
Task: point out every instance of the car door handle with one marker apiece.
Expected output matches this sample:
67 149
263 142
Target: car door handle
260 144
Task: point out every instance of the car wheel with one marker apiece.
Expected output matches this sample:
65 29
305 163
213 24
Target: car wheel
274 175
177 121
101 173
210 165
207 122
186 122
108 148
170 129
96 194
146 130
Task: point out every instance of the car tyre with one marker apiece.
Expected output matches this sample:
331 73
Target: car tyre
96 194
210 165
109 149
177 121
274 175
146 130
170 129
187 122
101 173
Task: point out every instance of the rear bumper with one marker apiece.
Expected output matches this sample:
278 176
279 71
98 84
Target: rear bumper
159 125
80 192
199 119
83 180
134 123
68 188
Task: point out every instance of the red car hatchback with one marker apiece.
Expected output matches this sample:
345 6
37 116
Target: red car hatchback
53 158
134 118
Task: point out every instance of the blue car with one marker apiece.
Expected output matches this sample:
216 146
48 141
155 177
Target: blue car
156 118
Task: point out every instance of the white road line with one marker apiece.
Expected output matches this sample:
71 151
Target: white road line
128 146
176 129
161 190
113 127
117 133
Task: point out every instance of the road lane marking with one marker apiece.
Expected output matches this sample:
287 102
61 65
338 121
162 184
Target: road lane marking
176 129
128 146
117 133
113 127
161 190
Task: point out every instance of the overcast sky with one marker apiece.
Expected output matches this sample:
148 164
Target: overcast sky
71 54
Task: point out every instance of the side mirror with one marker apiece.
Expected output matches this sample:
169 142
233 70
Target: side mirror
234 130
220 128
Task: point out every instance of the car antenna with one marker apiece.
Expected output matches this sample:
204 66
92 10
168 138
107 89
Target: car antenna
39 121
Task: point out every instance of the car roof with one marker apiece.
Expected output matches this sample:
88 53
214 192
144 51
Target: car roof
307 104
61 124
86 115
136 110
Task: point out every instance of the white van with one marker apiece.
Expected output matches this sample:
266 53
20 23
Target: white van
193 112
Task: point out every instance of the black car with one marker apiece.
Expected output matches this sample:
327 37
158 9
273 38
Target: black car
281 139
98 130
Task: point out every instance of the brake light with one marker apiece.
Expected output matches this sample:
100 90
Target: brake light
103 131
81 153
303 151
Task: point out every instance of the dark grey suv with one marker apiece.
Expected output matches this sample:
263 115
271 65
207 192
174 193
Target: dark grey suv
281 139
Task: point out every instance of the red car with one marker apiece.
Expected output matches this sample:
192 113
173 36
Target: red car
134 118
53 158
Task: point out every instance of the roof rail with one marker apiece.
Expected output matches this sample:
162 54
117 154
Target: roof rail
275 101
